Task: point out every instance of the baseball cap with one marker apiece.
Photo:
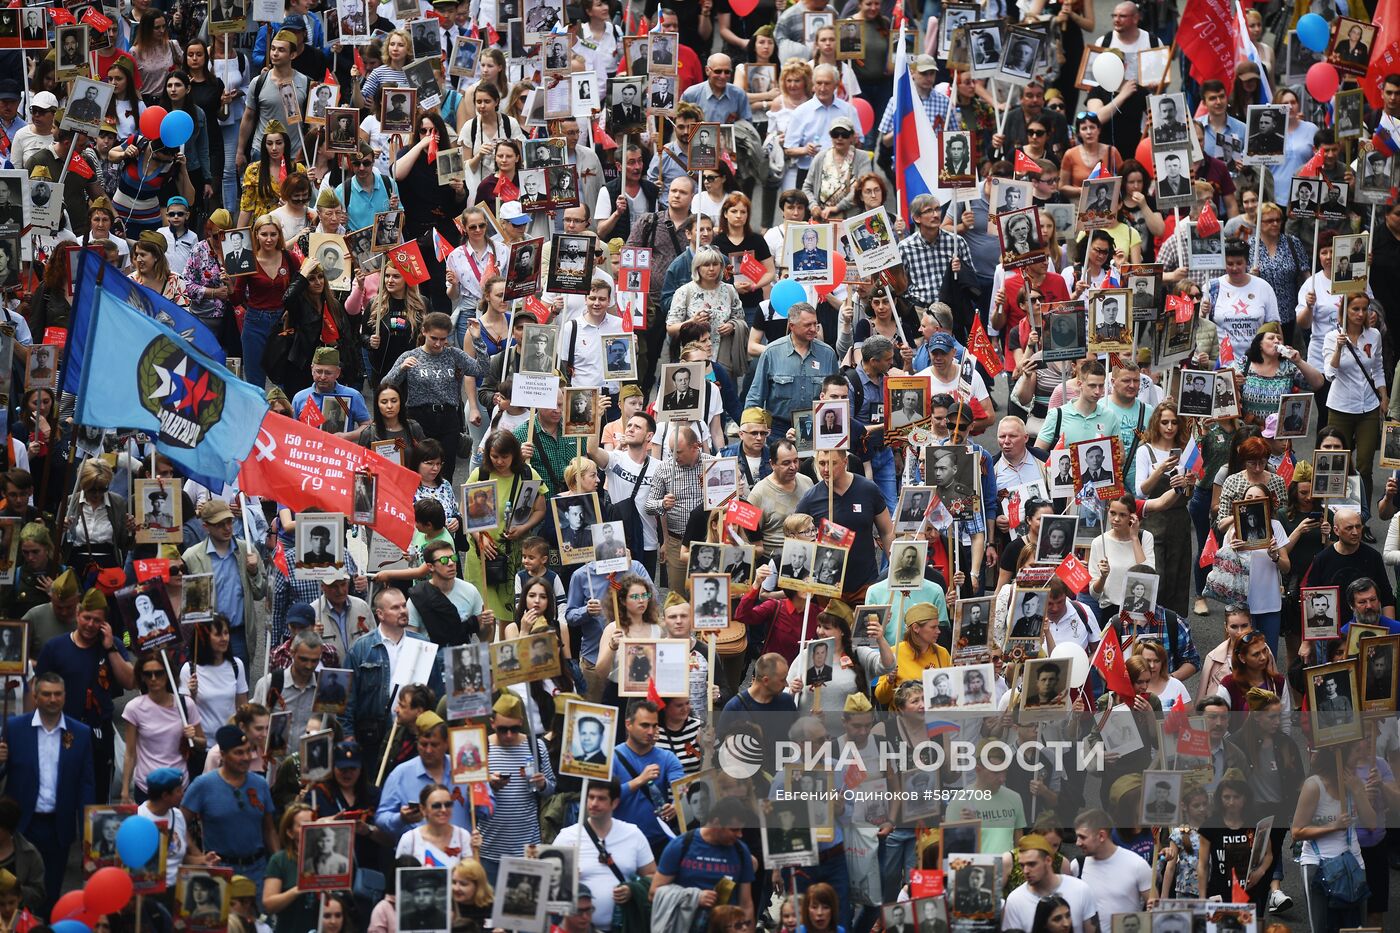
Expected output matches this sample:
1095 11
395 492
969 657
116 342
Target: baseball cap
347 755
163 779
1270 426
336 574
296 23
44 100
512 212
842 123
925 63
941 343
213 511
229 737
177 199
300 615
9 89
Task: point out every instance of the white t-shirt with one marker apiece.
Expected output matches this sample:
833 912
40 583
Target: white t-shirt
979 388
629 850
1264 593
218 692
1240 312
622 477
1120 883
1019 913
175 819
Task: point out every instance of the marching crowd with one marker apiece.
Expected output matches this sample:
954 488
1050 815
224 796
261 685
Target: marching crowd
645 298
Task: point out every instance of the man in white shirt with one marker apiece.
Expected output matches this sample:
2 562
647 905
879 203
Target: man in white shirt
1016 466
599 835
630 470
1120 879
1034 855
945 374
581 338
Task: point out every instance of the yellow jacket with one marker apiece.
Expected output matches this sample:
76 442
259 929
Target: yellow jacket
909 665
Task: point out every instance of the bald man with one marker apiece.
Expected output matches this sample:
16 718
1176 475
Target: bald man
721 101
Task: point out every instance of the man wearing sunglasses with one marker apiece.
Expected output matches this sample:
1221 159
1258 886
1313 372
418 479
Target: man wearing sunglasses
180 240
365 192
449 610
1032 109
721 101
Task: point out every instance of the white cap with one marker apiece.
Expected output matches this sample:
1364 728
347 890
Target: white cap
512 212
44 100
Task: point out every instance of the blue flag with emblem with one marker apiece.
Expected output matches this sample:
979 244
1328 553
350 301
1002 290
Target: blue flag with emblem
94 275
200 415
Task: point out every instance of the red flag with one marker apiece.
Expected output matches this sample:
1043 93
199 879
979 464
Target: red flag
1182 307
408 259
150 568
1073 572
1177 717
359 62
432 148
981 347
1238 895
279 558
1208 552
1208 224
600 135
1108 661
25 921
538 308
78 165
61 16
653 694
481 795
1286 466
307 469
311 414
1385 49
440 245
1227 351
330 78
1025 163
1313 167
1208 33
95 18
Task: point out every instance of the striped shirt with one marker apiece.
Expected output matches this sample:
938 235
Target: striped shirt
515 818
382 77
140 182
684 743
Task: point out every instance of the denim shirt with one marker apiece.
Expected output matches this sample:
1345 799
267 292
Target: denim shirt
788 379
368 708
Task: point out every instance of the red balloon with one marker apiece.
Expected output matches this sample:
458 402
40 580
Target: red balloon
866 114
743 7
838 275
150 122
1144 155
1322 82
72 906
107 891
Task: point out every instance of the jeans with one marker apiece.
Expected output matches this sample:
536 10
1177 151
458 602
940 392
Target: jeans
258 326
897 853
1269 623
1322 917
886 477
231 175
1199 510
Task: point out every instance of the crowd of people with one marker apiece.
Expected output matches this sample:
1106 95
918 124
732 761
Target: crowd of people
728 441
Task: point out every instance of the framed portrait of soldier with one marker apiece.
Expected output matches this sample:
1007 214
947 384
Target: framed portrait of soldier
388 230
1264 127
468 746
462 63
1019 55
342 133
1207 249
423 903
828 570
467 675
721 479
397 105
956 473
972 626
1045 685
1294 415
1321 611
610 553
664 56
795 564
956 168
325 855
1021 243
704 147
479 507
41 369
196 597
693 796
1065 333
1170 126
1196 393
907 560
705 558
955 16
100 826
450 165
316 753
159 508
580 412
1374 178
87 103
681 385
620 357
1390 445
1350 263
571 262
1173 171
850 39
1056 539
574 518
320 543
1253 524
627 105
1009 195
788 837
1098 202
1332 701
761 78
227 16
537 354
1109 328
202 898
802 425
14 647
661 94
1330 473
1140 922
1379 661
710 601
1161 798
984 43
523 268
1144 282
866 617
587 747
332 254
913 508
808 248
236 247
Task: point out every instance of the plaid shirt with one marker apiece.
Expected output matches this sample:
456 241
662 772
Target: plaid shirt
935 105
286 591
686 484
552 454
928 263
1175 253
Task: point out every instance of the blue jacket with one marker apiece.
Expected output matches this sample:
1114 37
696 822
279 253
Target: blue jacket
315 36
368 709
75 789
765 464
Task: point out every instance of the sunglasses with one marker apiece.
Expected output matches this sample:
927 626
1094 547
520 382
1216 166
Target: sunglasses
441 805
152 674
1034 133
361 163
510 730
841 134
1087 115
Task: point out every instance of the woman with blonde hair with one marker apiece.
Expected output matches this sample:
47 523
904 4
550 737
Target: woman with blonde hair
472 896
706 296
262 294
514 105
1156 473
1162 684
398 53
152 269
795 89
99 528
395 318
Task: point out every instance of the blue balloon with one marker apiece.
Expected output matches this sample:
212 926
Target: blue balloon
176 128
1313 32
138 838
784 295
72 926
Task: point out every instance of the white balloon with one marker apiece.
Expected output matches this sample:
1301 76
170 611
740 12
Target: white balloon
1078 662
1108 71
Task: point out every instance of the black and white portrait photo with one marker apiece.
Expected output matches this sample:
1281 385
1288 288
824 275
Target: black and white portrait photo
342 132
72 48
1019 55
316 751
914 503
87 105
587 747
620 357
1196 393
14 644
817 668
609 547
795 563
1253 528
1169 121
1046 684
1098 202
320 545
1378 672
1304 197
237 248
1351 48
1094 466
537 354
1332 697
974 686
984 48
1264 126
704 147
324 852
396 115
1056 538
680 391
1139 594
693 797
197 597
423 900
626 108
332 690
1109 327
1009 195
906 406
710 601
146 609
1021 243
1330 470
972 629
788 836
1028 612
158 508
974 891
1173 171
907 564
1161 798
1321 616
828 569
574 518
664 57
1294 415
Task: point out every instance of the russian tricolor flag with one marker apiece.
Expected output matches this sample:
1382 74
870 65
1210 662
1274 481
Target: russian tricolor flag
1245 51
915 144
1384 143
1191 459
